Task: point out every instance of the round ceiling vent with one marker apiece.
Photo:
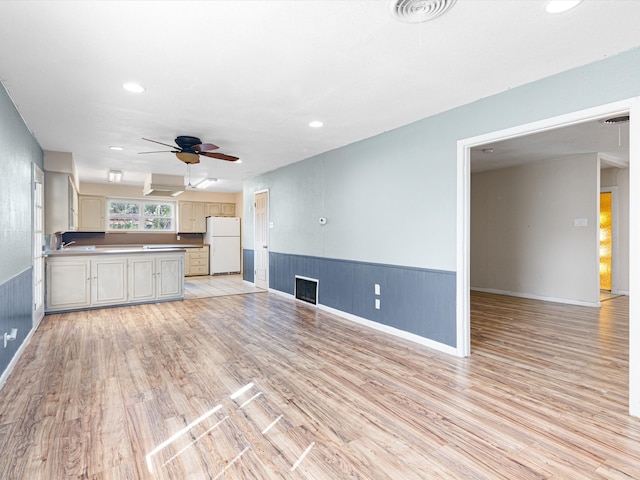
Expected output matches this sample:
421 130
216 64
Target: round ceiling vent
416 11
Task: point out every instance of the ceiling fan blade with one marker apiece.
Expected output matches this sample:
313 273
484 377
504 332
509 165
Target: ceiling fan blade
205 147
220 156
159 151
155 141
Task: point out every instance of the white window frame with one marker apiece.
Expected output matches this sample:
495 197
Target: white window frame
142 202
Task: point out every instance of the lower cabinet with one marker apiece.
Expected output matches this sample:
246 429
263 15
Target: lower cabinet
196 261
94 281
156 278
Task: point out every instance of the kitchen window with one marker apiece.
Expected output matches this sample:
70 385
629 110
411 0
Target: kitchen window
140 215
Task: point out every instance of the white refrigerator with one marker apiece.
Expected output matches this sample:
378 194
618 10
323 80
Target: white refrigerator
223 238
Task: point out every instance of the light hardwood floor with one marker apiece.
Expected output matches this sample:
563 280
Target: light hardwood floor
216 286
260 387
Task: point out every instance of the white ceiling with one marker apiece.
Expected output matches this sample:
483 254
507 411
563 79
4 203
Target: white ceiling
250 75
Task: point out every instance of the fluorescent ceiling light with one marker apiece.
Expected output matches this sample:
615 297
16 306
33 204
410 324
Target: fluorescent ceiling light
206 182
316 124
559 6
116 148
115 175
133 87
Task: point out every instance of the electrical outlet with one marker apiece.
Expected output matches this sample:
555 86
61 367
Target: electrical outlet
178 237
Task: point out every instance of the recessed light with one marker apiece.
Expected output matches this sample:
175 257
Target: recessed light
559 6
316 124
114 175
133 87
116 148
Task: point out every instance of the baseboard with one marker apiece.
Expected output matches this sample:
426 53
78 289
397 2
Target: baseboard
426 342
509 293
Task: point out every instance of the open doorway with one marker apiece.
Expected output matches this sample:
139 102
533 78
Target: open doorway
464 222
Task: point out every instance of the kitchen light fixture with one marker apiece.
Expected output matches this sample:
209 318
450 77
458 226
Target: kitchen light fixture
133 87
559 6
205 183
316 124
116 148
115 175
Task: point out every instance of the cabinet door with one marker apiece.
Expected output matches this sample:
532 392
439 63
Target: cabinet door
214 209
142 278
91 213
185 221
199 217
108 281
170 276
68 284
228 209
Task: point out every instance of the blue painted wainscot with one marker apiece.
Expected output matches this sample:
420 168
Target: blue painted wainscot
16 299
416 300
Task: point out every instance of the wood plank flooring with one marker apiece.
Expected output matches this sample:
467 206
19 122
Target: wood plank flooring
260 387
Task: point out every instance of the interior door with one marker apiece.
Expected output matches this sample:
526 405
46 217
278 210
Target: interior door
261 240
38 244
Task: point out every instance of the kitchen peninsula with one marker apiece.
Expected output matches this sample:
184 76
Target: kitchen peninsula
84 277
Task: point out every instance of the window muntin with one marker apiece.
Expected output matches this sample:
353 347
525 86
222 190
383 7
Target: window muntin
140 215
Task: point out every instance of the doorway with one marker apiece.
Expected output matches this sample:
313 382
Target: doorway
463 223
38 245
606 241
261 240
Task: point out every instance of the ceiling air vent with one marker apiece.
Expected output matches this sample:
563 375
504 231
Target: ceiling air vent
417 11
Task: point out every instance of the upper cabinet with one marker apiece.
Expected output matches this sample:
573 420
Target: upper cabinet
92 213
61 203
221 209
193 215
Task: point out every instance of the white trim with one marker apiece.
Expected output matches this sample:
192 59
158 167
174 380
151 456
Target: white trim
412 337
631 105
566 301
14 360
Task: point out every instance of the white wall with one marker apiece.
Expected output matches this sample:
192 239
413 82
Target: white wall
523 238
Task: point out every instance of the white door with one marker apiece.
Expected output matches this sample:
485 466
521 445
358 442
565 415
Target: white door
261 234
38 244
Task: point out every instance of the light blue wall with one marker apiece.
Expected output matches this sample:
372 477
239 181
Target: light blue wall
18 152
391 199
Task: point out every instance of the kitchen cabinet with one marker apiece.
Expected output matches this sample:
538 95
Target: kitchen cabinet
60 203
192 217
68 284
108 281
157 277
76 282
92 213
196 261
221 209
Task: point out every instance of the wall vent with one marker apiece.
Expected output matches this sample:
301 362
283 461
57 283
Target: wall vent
306 289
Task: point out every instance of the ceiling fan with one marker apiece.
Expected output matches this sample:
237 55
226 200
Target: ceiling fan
188 150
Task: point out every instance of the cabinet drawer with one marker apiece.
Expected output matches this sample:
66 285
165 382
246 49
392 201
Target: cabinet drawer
198 270
197 254
197 261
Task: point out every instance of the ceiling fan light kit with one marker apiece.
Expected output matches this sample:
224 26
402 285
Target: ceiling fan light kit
188 149
418 11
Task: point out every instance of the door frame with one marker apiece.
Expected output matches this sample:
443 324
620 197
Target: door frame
463 230
38 267
266 234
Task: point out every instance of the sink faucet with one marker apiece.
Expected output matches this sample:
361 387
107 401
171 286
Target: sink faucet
64 245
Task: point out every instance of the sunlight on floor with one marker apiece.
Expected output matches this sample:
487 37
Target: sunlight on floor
217 286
